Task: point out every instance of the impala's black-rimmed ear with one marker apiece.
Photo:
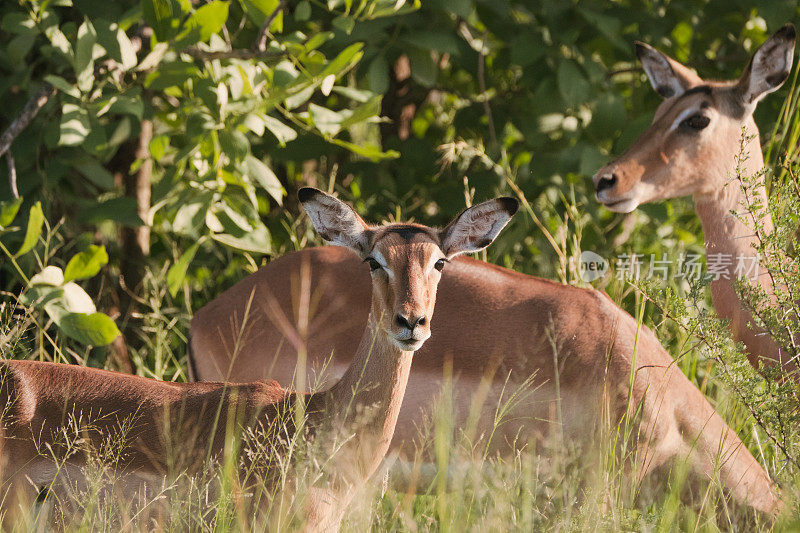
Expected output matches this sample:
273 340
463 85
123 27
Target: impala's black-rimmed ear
476 227
668 77
769 67
334 220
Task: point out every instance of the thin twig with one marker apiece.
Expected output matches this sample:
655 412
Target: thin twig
260 45
232 54
482 86
12 174
28 113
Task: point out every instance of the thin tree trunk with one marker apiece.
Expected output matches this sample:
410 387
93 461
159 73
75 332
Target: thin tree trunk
135 245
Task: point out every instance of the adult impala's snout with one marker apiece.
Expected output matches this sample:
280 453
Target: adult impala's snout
616 187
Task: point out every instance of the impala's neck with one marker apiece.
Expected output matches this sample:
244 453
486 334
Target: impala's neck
729 248
364 404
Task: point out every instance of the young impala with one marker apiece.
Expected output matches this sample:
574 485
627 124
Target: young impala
691 149
582 361
405 263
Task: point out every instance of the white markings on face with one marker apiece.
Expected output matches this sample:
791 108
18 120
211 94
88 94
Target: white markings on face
683 116
377 256
432 261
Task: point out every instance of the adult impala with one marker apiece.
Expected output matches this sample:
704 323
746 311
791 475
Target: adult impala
405 261
691 149
498 328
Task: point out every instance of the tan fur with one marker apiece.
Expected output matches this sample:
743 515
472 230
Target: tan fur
173 423
667 163
491 323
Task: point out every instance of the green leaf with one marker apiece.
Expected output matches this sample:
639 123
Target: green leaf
280 130
75 299
369 151
83 62
127 54
327 121
344 23
94 172
158 146
86 264
423 68
18 23
259 10
346 59
446 43
40 295
50 275
18 49
189 218
60 42
302 11
265 177
369 109
35 223
8 211
95 329
234 143
163 16
378 75
572 84
299 98
75 125
359 95
120 210
257 240
62 85
205 22
177 272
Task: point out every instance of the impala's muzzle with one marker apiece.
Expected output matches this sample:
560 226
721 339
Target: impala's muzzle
607 184
410 331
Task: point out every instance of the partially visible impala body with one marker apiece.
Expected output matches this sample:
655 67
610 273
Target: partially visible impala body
700 134
498 328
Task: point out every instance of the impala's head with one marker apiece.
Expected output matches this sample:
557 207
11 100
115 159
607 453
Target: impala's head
691 146
406 260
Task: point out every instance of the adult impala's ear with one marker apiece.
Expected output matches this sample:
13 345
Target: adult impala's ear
334 220
475 228
668 77
769 67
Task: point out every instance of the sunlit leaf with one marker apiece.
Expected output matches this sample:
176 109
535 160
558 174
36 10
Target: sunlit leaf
8 211
177 272
265 177
34 230
86 264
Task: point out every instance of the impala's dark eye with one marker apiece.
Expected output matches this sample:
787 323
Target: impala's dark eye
373 265
439 265
696 122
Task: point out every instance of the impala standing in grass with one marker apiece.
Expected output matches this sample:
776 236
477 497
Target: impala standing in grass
157 418
693 148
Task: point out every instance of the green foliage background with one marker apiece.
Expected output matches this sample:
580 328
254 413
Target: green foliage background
407 109
410 110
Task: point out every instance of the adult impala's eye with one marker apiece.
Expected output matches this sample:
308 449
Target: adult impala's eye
439 265
373 265
696 122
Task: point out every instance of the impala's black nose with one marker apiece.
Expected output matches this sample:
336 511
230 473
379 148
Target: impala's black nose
405 322
606 182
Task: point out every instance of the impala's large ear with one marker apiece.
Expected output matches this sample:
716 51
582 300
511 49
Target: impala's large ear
769 67
668 77
475 228
334 220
